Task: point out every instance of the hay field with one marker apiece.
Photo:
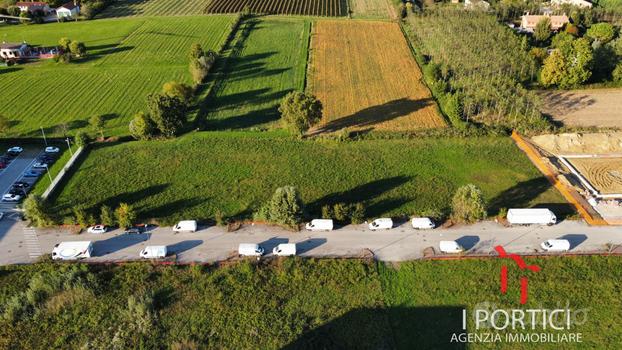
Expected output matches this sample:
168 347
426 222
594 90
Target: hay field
605 174
372 9
366 77
594 107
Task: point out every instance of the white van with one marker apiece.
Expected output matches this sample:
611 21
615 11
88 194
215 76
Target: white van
153 252
451 247
422 223
320 225
72 250
186 226
381 224
250 249
555 245
285 249
531 216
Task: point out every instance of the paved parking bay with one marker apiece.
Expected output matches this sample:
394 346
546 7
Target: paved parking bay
15 171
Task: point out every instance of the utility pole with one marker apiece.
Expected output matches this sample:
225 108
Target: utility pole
69 145
44 139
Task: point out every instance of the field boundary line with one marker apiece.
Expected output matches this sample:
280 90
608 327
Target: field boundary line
305 79
568 193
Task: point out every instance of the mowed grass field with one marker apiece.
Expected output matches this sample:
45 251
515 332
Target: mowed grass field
123 8
295 303
128 59
366 77
266 61
235 172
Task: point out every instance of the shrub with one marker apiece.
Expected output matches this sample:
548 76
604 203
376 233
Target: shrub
125 215
299 112
36 210
341 212
357 215
468 204
106 216
617 73
602 32
327 212
81 139
81 217
179 90
142 127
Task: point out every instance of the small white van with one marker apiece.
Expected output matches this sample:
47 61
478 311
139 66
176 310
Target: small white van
285 249
555 245
381 224
320 225
72 250
422 223
186 226
250 249
531 216
153 252
451 247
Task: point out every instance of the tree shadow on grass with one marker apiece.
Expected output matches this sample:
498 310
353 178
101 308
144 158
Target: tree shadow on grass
521 195
387 328
375 114
365 192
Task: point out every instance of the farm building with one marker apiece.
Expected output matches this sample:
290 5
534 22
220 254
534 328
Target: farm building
33 6
14 51
528 22
578 3
68 10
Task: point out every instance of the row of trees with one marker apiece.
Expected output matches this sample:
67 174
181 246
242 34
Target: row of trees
70 50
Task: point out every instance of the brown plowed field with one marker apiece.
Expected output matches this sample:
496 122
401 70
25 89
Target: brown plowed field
594 107
366 77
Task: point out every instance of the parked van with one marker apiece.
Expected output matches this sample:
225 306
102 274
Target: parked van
320 225
422 223
381 224
250 249
153 252
532 216
450 247
555 245
186 226
285 249
72 250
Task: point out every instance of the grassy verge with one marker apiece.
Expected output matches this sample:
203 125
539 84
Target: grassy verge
293 303
44 181
235 172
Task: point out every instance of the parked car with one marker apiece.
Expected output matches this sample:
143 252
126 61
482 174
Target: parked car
97 229
46 159
381 224
32 173
39 165
451 247
21 184
14 151
320 225
5 159
72 250
186 226
285 249
11 197
422 223
250 249
51 149
3 165
154 252
133 231
17 190
555 245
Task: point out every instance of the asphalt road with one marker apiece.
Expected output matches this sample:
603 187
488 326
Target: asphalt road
19 245
14 172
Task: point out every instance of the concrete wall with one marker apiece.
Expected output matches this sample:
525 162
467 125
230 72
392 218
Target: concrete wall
62 173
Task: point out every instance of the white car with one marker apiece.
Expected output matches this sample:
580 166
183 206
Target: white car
39 165
11 197
15 149
97 229
451 247
381 224
555 245
52 149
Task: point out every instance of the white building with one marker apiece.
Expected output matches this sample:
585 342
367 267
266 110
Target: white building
529 22
578 3
68 10
13 51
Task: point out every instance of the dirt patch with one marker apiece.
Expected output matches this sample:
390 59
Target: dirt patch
604 174
598 107
593 143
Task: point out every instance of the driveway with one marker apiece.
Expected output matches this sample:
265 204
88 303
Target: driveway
401 243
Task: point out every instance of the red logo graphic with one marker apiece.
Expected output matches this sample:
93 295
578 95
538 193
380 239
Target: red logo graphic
524 282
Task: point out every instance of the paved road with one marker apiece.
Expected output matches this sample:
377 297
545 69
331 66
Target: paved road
14 172
214 244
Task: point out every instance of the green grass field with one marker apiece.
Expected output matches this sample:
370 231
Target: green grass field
123 8
266 61
235 172
293 303
128 59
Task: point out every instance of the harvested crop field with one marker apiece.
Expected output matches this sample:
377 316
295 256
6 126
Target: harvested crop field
578 143
372 9
282 7
597 107
124 8
366 77
604 174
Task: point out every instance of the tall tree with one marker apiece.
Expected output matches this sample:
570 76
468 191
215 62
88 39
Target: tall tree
142 127
125 215
468 204
569 65
168 113
602 32
542 32
98 122
299 112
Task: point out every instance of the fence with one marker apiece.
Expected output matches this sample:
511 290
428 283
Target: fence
59 177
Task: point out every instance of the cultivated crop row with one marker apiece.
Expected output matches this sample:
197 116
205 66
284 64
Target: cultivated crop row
288 7
124 8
